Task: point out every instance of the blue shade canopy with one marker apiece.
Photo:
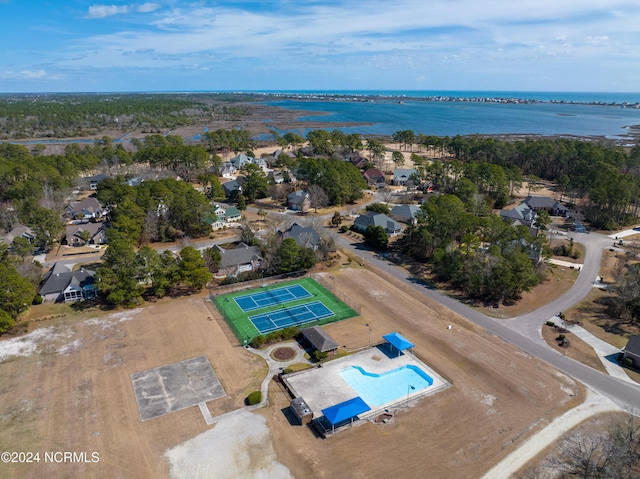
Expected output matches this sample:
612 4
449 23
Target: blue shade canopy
345 410
398 341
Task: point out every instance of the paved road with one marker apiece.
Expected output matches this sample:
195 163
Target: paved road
528 338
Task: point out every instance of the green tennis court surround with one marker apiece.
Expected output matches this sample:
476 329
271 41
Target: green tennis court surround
301 302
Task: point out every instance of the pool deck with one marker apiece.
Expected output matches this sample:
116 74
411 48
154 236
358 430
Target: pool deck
324 387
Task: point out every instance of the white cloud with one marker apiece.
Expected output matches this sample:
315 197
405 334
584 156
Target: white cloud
102 11
23 74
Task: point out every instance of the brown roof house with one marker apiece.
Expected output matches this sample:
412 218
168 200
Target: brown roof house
299 201
85 233
632 350
374 176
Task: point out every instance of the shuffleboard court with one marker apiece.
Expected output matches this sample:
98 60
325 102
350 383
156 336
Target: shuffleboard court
271 297
295 316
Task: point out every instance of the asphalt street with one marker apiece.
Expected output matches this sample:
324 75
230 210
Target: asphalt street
524 332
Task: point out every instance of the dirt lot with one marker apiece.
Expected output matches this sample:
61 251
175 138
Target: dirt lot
73 392
499 395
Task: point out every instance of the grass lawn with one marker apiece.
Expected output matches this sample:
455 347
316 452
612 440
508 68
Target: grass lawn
244 329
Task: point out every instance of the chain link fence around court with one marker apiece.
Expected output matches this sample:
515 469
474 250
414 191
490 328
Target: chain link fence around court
255 283
245 336
330 285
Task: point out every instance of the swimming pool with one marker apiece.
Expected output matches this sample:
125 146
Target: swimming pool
379 389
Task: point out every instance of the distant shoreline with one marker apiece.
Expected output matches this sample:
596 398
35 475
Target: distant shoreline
366 98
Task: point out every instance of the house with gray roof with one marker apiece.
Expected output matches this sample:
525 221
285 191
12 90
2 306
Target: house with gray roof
553 207
320 340
238 260
94 180
403 175
234 185
521 213
304 237
241 160
391 227
632 350
60 284
405 213
85 209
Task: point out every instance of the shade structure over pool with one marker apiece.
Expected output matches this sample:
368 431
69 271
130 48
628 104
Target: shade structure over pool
398 341
345 410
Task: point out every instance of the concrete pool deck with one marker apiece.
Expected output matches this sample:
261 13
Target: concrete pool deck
323 387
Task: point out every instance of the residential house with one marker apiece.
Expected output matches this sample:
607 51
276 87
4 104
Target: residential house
88 208
320 340
521 213
233 185
299 201
238 260
375 177
94 180
232 214
390 226
137 181
96 236
228 171
60 284
241 160
402 176
305 237
358 161
20 232
281 176
405 213
632 350
553 207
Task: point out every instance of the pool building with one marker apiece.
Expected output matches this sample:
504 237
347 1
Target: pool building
363 385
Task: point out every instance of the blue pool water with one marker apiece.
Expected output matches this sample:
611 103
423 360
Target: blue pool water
379 389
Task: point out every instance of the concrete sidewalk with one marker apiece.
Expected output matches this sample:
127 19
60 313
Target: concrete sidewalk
605 351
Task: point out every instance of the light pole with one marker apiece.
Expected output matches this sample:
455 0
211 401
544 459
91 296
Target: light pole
409 388
369 327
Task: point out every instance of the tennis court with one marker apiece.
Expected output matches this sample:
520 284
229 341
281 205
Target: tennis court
295 316
271 297
267 309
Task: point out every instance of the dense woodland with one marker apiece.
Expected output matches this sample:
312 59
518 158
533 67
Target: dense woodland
77 115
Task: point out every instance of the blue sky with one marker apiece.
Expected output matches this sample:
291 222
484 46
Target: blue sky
520 45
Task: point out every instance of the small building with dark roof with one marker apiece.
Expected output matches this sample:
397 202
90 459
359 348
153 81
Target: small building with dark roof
301 410
320 339
632 350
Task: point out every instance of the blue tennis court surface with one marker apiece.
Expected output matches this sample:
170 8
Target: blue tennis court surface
284 318
271 297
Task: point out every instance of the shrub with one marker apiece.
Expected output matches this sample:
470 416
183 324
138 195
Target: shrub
254 398
258 341
550 323
37 299
627 362
562 337
320 355
344 229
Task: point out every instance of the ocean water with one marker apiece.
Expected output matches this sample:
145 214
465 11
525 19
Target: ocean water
581 114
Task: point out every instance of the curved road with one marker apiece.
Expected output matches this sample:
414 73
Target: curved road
524 332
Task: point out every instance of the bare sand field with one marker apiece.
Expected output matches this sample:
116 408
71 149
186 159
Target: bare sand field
69 388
